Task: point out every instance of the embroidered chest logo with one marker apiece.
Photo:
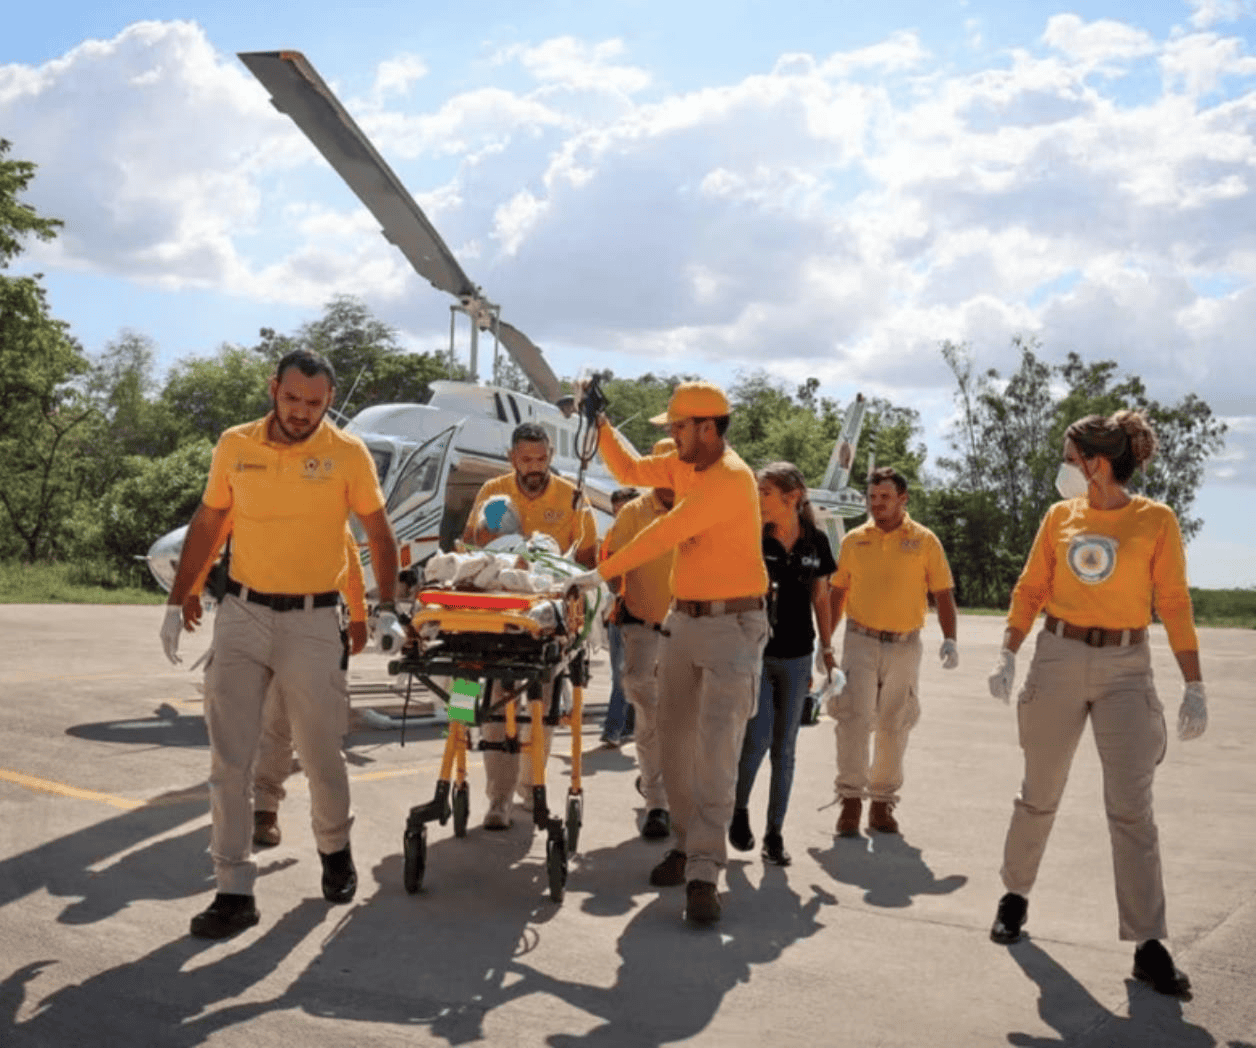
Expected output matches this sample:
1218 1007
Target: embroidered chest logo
1092 558
553 516
911 545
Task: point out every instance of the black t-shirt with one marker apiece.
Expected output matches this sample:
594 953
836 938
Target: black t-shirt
791 575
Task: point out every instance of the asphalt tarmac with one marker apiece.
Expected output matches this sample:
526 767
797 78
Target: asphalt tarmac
879 941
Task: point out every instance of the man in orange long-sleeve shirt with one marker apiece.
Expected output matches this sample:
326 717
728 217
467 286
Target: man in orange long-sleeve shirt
713 637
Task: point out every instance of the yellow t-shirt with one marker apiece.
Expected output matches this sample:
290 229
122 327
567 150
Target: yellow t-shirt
888 575
1095 567
550 513
647 589
714 525
290 505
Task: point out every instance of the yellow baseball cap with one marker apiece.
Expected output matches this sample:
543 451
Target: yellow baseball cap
694 400
663 447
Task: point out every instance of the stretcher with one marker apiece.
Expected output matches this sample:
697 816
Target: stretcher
499 650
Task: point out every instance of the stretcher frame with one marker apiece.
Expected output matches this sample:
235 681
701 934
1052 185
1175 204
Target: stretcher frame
490 637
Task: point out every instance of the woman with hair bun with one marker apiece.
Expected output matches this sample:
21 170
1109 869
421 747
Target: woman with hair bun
1102 560
799 560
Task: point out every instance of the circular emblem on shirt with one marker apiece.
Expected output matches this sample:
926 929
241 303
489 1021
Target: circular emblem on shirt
1092 558
310 467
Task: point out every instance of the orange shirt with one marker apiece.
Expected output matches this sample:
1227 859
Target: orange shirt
647 589
714 525
888 575
354 589
550 513
1096 567
290 504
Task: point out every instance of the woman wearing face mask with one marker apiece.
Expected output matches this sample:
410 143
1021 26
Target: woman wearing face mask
799 562
1102 559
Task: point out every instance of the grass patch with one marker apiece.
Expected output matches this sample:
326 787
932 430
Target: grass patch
78 583
1213 608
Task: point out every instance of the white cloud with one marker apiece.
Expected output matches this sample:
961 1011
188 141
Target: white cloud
1207 13
394 76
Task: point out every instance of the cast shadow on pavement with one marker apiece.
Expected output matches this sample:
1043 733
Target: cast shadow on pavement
890 870
1154 1020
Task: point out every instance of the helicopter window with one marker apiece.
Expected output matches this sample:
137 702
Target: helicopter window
564 443
514 408
501 408
417 478
382 460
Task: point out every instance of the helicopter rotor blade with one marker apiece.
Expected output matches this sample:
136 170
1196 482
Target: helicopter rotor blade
530 361
299 92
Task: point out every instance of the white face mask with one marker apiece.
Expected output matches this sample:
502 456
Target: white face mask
1070 481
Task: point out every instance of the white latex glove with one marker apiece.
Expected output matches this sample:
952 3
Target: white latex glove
949 654
1004 675
586 580
391 633
1193 713
834 685
171 627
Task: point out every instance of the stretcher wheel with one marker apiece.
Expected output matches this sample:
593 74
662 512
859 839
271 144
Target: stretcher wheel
415 852
462 809
556 867
575 819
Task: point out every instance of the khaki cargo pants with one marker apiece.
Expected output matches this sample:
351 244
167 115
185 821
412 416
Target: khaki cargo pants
1068 684
641 686
299 652
708 686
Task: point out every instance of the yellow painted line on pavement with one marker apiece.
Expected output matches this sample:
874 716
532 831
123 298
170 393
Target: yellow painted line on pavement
61 789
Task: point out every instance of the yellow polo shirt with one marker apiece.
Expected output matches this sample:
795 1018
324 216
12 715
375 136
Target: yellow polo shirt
290 504
888 575
647 589
1108 567
714 526
550 513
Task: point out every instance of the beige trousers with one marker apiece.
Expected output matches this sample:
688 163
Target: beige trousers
274 755
708 686
881 704
1069 683
641 656
505 771
299 653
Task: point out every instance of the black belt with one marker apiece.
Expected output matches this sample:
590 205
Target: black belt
284 601
884 636
698 608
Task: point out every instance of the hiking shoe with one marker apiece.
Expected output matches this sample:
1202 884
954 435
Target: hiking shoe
498 816
881 817
739 835
774 849
702 903
1154 966
848 820
1009 918
670 872
266 829
226 915
340 876
657 825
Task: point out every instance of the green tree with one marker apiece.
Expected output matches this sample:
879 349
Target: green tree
205 395
632 402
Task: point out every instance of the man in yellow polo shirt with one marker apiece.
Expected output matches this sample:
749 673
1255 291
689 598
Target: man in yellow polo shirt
289 481
546 503
713 637
886 570
644 599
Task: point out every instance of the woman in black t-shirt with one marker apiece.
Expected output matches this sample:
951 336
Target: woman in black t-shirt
799 562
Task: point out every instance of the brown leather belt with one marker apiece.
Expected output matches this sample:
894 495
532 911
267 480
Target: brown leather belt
884 636
697 608
284 601
1095 636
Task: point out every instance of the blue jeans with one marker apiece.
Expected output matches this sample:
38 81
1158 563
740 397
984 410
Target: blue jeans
782 690
619 714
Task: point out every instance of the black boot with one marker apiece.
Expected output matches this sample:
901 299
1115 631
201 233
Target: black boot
340 876
774 849
739 835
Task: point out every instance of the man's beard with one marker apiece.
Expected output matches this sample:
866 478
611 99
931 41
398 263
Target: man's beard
295 438
532 483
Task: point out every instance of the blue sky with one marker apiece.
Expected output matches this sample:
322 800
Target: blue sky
825 189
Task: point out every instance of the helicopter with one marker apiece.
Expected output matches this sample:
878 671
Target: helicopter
432 458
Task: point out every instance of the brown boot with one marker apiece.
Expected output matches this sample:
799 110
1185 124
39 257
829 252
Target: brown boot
265 828
881 817
848 821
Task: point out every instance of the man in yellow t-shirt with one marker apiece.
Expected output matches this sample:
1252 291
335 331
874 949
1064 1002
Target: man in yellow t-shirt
289 482
886 570
644 599
546 503
713 637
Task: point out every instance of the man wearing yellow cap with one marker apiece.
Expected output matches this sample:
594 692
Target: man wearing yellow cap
644 598
713 636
